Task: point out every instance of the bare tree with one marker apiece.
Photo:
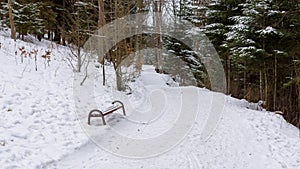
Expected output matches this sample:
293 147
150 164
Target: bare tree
81 23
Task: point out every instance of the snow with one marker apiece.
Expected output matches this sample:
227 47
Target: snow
211 13
196 7
242 19
37 121
239 27
273 12
279 52
40 129
269 30
214 25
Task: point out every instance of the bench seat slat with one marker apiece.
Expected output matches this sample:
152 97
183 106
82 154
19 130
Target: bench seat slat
112 108
111 111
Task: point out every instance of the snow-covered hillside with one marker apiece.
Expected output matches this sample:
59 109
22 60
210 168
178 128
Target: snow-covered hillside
40 129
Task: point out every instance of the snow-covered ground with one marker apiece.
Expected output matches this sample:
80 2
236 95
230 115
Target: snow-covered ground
40 129
37 123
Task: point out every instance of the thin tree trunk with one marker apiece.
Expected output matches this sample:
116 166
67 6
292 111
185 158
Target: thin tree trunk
228 75
119 79
174 9
101 16
63 34
297 86
266 84
261 85
158 37
101 23
275 83
79 63
11 20
245 79
138 39
180 8
117 56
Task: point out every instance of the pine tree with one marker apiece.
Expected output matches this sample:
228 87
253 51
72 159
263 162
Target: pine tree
192 11
218 26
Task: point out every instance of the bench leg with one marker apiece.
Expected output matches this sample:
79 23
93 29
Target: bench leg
117 101
89 120
104 123
123 110
90 115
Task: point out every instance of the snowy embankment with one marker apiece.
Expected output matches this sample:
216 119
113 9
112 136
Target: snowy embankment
37 123
39 127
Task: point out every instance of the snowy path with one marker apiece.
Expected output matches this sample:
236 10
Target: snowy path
245 139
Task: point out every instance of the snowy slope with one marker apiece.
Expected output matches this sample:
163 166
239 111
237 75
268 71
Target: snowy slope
37 123
40 129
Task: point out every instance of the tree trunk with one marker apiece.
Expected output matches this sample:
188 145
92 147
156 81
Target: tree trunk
101 22
119 79
261 85
245 79
275 83
57 35
297 86
228 75
174 9
101 16
63 31
11 20
138 40
180 8
158 36
266 84
79 59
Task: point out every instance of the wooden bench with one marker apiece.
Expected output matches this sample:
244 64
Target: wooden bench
116 105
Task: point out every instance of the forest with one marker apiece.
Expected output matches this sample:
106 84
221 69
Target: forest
258 41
